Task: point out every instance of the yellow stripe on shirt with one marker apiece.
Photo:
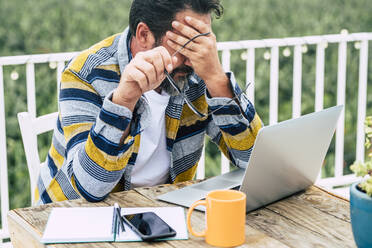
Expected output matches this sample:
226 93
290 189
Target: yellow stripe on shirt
55 192
57 158
70 80
171 125
245 139
107 162
186 175
114 68
78 63
74 129
188 116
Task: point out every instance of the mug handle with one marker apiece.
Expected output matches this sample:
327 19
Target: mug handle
197 234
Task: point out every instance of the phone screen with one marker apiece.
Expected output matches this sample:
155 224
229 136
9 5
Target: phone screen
149 225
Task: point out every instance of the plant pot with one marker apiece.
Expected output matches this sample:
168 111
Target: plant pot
361 216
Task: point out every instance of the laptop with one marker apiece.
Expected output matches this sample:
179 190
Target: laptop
286 158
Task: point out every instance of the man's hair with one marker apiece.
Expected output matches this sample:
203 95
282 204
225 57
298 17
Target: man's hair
159 14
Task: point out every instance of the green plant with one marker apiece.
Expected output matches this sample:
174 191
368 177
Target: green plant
364 169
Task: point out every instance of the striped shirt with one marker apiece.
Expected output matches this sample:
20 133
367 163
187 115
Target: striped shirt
86 158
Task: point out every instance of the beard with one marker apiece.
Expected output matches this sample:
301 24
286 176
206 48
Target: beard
181 81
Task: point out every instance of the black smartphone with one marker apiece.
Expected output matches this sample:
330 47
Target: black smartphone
149 226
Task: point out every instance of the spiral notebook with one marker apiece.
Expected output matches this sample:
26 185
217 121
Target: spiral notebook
95 224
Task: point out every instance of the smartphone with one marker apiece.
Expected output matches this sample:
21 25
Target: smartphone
149 226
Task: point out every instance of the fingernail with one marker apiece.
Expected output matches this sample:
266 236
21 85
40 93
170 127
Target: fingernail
175 23
169 67
188 18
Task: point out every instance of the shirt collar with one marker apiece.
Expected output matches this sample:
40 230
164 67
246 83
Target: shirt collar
124 53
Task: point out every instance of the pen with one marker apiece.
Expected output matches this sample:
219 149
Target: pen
118 214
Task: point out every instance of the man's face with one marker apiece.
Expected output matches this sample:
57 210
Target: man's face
183 68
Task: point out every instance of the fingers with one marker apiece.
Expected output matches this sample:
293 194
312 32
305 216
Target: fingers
187 31
181 41
183 37
199 25
187 51
193 27
149 71
163 55
147 68
139 77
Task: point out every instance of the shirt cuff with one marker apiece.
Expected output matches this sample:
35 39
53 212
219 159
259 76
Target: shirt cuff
240 109
114 119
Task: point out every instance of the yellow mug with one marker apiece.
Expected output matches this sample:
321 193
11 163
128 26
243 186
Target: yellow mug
225 216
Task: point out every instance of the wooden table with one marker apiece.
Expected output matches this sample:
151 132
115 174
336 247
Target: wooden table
313 218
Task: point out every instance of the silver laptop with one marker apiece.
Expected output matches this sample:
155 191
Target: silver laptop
286 158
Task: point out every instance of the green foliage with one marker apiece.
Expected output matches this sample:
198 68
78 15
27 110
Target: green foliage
51 26
364 169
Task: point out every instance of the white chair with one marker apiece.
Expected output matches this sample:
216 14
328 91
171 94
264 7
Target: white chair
31 127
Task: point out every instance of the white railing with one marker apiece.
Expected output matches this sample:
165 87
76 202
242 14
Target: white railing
248 47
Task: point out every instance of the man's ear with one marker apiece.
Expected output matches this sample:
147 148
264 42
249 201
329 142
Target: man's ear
144 36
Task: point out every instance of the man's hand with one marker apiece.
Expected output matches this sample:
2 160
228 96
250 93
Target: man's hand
145 72
202 53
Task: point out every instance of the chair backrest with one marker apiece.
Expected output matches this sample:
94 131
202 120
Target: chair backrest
31 127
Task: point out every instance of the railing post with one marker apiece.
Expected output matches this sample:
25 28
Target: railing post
297 77
60 67
200 171
250 73
225 163
341 88
319 81
362 99
3 160
274 85
30 81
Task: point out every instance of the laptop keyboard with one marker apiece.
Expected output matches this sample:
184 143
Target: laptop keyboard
215 184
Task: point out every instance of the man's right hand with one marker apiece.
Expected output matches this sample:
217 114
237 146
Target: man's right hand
145 72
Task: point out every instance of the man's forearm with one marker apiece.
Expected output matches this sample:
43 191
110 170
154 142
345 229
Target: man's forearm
219 86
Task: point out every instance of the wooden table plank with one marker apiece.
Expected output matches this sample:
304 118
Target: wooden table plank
313 211
325 202
302 213
323 218
312 218
35 219
254 238
287 231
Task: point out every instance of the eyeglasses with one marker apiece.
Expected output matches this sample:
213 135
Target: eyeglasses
182 93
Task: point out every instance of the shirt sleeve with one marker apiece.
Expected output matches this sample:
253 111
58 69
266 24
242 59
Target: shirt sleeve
93 127
235 124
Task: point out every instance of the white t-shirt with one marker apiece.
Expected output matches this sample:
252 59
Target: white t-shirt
153 159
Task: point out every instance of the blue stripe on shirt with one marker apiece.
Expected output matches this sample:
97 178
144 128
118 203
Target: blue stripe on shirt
106 75
80 95
114 119
234 129
52 166
96 171
107 146
250 112
80 137
226 110
89 197
59 127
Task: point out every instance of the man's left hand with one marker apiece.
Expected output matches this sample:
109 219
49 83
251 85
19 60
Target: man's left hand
202 53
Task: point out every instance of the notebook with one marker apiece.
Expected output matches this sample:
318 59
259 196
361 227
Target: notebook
95 224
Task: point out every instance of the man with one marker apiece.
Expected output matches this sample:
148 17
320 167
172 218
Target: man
123 125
